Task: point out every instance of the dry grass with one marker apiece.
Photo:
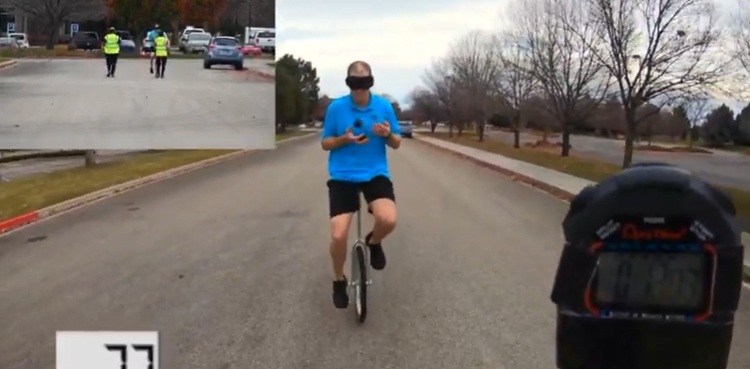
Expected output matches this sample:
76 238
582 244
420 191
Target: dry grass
39 191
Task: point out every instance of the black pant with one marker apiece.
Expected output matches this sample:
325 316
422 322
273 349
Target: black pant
111 63
343 197
161 65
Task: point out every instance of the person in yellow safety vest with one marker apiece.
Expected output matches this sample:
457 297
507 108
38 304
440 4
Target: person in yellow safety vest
111 51
161 51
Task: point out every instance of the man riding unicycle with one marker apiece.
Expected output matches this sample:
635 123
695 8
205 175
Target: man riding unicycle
150 46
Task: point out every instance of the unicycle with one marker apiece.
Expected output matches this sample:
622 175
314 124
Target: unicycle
360 278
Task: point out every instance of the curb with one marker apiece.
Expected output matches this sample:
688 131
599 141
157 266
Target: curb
31 217
263 75
8 64
558 192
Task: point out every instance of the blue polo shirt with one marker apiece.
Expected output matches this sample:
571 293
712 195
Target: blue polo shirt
358 162
153 34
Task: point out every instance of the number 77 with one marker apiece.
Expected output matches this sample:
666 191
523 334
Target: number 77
123 349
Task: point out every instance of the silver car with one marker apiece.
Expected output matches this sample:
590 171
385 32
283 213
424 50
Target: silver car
197 42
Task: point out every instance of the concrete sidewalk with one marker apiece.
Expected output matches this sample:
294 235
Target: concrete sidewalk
559 180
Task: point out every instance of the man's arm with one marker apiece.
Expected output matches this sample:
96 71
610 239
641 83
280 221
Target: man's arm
394 141
329 139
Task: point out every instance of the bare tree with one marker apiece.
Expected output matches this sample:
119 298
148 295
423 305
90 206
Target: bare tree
515 81
696 107
657 51
741 34
561 46
52 14
439 80
426 105
475 67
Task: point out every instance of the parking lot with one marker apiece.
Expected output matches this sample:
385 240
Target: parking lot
51 104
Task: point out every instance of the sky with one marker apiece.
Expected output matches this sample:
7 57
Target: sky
399 38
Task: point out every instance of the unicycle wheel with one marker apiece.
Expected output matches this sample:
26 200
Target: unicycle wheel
359 285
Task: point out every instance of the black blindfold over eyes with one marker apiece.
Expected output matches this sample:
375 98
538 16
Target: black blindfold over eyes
360 83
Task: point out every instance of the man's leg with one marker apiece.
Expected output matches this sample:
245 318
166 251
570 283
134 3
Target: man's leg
381 199
151 61
163 66
158 66
343 202
114 63
108 59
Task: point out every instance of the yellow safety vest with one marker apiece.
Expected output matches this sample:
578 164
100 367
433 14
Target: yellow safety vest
111 44
161 46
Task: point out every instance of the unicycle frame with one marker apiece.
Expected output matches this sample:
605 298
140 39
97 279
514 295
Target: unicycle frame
357 289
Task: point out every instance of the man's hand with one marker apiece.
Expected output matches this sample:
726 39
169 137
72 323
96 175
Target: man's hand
382 129
351 138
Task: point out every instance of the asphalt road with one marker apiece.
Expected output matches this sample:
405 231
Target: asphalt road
231 265
70 104
722 168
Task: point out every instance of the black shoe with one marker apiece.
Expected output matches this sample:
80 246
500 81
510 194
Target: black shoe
157 75
151 70
377 256
340 295
109 75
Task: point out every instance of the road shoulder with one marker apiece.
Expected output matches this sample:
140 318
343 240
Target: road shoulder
558 184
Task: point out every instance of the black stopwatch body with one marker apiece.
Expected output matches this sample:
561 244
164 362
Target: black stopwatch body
650 275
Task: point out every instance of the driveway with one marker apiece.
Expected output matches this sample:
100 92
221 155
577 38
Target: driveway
231 265
70 104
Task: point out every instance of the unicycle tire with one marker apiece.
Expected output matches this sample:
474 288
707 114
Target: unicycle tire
360 288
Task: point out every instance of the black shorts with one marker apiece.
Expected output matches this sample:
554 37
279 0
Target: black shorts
148 49
343 197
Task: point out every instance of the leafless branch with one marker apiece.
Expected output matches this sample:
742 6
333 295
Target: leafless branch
475 66
659 49
562 49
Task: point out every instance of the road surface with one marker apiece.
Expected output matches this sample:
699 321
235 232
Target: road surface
231 265
70 104
722 168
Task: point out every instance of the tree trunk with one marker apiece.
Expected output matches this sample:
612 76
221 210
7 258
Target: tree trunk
433 126
450 129
51 39
565 140
627 157
517 130
90 158
690 136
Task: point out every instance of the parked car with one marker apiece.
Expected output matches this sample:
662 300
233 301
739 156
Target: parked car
8 43
21 39
85 41
407 128
184 36
251 50
127 43
224 50
197 42
266 41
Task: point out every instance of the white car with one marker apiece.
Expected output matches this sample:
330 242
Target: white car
197 42
185 33
21 39
266 41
